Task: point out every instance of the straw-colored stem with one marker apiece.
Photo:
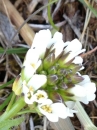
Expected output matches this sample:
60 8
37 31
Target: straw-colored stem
26 32
62 124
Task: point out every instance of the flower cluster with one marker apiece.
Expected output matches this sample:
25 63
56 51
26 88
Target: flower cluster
50 76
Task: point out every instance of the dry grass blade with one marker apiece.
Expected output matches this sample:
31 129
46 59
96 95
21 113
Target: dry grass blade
26 32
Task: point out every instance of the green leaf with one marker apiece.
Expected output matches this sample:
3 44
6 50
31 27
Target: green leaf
14 50
5 103
6 84
5 125
86 3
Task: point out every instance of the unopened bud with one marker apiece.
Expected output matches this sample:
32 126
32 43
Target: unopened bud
17 85
48 61
52 79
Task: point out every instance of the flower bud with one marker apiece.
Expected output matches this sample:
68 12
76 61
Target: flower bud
48 61
62 72
76 79
74 67
52 70
52 79
61 62
43 72
17 85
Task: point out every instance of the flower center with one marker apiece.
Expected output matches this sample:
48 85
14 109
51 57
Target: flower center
33 65
29 95
40 96
47 108
31 89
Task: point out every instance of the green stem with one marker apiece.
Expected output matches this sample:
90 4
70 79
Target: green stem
83 117
14 109
11 102
50 18
26 111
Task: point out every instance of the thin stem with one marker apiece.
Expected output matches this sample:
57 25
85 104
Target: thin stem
50 18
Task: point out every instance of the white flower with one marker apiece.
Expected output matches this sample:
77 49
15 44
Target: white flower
29 88
58 44
54 110
74 47
78 60
31 63
41 40
90 89
57 37
84 91
28 93
40 96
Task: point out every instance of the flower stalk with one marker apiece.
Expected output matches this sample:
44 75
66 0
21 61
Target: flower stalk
19 104
62 125
83 117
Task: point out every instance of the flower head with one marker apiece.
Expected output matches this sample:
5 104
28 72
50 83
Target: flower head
29 88
84 91
40 96
50 64
54 110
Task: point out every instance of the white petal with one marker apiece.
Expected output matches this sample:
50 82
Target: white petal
66 44
81 68
86 80
52 117
41 41
32 57
27 100
73 54
57 36
78 91
70 104
74 46
70 57
91 97
58 46
70 112
37 81
28 72
25 89
60 110
84 100
77 60
79 52
90 87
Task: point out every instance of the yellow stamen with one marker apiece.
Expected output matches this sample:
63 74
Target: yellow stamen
47 108
40 96
33 65
31 89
